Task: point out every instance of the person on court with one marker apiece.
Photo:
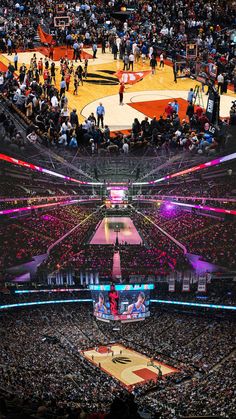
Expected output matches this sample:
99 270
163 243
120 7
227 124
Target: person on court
162 60
138 307
76 84
100 305
153 64
121 92
100 114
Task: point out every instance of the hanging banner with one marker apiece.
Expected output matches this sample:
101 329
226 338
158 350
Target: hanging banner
179 276
194 278
45 38
201 283
131 77
208 277
171 283
186 284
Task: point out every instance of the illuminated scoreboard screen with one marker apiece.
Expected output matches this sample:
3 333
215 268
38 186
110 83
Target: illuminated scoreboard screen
121 302
117 194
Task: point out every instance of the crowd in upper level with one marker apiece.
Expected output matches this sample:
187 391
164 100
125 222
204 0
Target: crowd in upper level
209 237
51 341
23 238
216 187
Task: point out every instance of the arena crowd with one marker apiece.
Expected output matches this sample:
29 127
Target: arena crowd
43 372
200 347
152 30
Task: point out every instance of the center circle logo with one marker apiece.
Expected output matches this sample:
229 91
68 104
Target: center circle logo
121 360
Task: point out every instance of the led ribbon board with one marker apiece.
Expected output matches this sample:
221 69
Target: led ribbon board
183 303
204 207
60 203
35 303
31 166
211 163
50 290
182 204
123 287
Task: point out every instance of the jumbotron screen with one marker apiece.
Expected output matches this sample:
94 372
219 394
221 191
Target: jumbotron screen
117 194
121 302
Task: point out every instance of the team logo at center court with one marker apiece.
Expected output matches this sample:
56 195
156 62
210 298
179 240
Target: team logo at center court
104 77
109 77
131 77
121 360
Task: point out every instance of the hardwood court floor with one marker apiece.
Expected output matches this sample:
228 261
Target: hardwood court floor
128 366
105 233
102 86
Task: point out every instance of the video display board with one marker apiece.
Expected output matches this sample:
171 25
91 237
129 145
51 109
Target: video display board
117 194
121 302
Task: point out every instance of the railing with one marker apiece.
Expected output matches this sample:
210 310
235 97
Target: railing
201 417
40 198
188 198
71 231
52 205
163 231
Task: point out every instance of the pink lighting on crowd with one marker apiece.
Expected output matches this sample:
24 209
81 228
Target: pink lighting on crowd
204 207
15 210
70 202
38 198
170 204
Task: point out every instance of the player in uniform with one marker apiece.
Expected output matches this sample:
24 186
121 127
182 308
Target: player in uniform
138 307
100 306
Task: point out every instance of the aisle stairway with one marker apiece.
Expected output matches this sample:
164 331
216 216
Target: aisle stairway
116 269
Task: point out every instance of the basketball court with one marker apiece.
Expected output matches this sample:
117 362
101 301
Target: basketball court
106 232
127 366
147 97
